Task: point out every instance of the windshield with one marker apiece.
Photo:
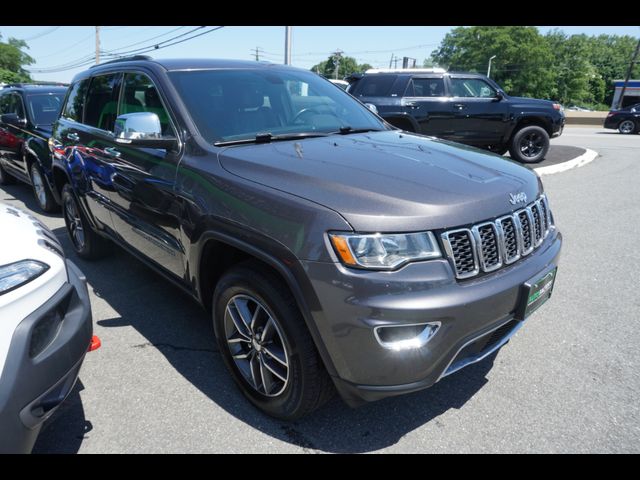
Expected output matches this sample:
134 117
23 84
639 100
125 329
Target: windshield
44 107
230 105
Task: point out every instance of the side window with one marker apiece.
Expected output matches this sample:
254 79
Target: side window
4 103
18 106
74 107
472 87
102 102
428 87
375 85
141 95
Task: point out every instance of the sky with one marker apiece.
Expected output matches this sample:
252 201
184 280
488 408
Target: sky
60 47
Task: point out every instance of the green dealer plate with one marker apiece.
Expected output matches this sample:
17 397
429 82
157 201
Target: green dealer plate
535 292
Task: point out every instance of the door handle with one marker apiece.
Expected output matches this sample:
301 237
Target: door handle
411 105
459 106
74 137
112 152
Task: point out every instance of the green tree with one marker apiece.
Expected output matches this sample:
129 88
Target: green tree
523 63
346 67
13 60
574 72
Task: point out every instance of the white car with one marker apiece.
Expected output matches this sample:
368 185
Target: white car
45 327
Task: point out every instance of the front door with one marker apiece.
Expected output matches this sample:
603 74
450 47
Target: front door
145 206
12 137
479 116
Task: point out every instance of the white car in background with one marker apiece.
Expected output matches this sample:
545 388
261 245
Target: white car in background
45 327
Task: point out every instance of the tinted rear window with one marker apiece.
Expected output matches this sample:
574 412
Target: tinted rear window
375 86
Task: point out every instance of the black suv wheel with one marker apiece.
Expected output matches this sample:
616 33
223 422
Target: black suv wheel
86 242
529 144
265 343
41 189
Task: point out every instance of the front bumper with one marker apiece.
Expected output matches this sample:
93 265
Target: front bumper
33 386
352 303
558 127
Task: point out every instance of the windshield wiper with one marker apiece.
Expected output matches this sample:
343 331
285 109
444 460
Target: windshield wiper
267 137
346 130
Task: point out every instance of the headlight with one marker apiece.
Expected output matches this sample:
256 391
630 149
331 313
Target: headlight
384 251
17 274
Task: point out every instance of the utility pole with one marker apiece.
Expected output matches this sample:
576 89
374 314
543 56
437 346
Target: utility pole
336 61
489 69
626 80
287 45
391 61
257 50
97 45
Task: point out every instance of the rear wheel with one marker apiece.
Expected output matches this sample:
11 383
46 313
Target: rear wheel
627 126
86 242
265 343
529 144
41 189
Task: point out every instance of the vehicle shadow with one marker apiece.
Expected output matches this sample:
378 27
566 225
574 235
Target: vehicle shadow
64 431
177 327
24 193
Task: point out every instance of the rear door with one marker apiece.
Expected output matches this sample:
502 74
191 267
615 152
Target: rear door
478 117
427 101
86 132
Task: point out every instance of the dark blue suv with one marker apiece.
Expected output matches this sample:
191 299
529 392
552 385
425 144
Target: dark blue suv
462 107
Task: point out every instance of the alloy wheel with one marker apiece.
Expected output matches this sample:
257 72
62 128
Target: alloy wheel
39 186
74 223
531 144
257 345
627 127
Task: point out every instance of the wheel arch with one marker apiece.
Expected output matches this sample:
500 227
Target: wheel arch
216 252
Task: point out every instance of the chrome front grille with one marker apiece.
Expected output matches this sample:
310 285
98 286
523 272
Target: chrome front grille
487 246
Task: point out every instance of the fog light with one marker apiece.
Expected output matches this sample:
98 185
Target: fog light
405 337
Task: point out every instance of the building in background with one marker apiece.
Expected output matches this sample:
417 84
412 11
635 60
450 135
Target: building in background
631 93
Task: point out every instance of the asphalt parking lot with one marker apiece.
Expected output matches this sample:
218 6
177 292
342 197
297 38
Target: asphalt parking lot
568 381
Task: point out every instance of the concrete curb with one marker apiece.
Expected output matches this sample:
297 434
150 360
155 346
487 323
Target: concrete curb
580 161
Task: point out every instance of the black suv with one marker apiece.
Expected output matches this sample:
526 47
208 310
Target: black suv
463 107
329 247
27 112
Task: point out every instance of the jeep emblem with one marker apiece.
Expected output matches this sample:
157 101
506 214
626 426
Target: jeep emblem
520 197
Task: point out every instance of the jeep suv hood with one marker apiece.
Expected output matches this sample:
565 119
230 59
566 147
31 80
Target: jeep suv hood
387 181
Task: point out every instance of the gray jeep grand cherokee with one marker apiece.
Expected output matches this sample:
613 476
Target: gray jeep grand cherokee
330 248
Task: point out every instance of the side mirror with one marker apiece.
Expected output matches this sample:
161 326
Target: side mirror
372 107
13 119
498 97
142 129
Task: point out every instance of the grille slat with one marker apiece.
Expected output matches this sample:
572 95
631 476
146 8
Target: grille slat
487 246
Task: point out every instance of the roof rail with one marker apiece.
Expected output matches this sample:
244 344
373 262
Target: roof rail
406 70
35 84
124 59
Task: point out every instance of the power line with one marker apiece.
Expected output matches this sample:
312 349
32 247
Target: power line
88 60
153 47
147 40
42 34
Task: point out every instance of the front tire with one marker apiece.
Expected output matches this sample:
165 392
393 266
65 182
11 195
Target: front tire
529 144
265 343
85 241
41 189
627 127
